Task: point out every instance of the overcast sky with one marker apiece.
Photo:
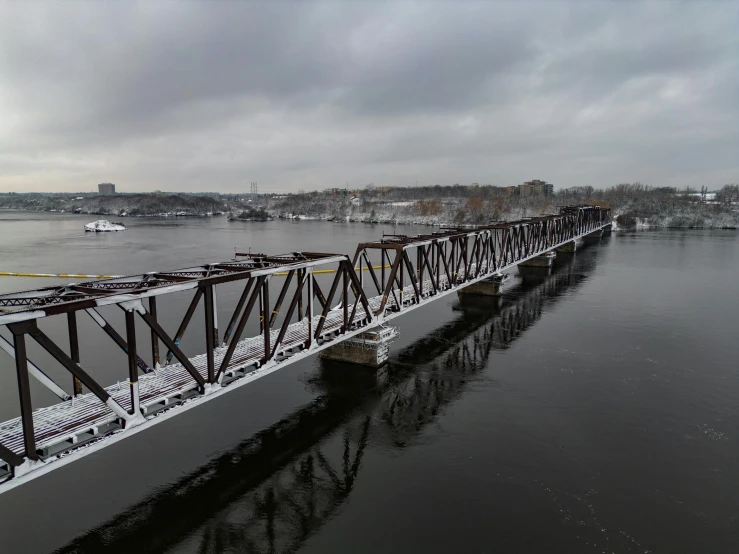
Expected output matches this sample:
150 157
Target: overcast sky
210 96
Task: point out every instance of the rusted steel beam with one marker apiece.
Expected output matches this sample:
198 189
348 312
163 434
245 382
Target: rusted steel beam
169 343
345 297
133 374
412 275
10 457
352 314
24 389
237 311
113 334
318 292
50 346
281 297
309 309
74 349
269 355
362 296
154 338
301 272
327 306
209 334
372 271
388 284
240 327
185 322
96 291
265 320
174 277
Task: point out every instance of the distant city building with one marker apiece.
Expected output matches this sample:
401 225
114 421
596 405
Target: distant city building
106 188
531 188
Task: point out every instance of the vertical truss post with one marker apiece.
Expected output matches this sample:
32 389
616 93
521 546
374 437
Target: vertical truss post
133 372
209 332
311 280
301 274
382 269
261 310
154 338
437 246
345 296
74 349
24 392
400 254
419 268
265 310
215 315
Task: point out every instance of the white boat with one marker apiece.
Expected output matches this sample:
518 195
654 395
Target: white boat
103 226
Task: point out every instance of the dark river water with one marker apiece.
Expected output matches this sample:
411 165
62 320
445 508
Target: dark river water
594 411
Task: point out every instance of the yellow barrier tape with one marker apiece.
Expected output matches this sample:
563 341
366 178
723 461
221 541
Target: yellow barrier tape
57 275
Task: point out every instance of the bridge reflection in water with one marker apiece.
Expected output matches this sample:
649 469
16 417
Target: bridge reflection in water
276 489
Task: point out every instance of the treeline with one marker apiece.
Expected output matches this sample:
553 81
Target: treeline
118 204
476 205
438 205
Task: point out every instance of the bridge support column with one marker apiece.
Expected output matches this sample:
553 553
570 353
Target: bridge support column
594 237
370 348
537 268
607 229
486 287
569 247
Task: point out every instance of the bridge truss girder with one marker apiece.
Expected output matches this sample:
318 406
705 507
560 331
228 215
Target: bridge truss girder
412 270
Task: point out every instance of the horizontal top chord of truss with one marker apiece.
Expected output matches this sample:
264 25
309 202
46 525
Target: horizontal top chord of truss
79 296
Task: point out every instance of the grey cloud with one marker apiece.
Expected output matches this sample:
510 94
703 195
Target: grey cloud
296 95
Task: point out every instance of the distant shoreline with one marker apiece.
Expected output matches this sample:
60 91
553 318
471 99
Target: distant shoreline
639 226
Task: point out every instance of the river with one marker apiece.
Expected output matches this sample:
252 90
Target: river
594 411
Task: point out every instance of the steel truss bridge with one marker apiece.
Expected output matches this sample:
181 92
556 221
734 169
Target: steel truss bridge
384 279
276 489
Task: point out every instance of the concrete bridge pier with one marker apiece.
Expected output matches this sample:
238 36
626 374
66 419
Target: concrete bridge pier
607 229
594 237
537 268
370 348
486 287
569 247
